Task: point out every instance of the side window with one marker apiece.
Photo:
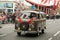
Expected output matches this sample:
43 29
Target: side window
40 16
21 14
33 15
43 16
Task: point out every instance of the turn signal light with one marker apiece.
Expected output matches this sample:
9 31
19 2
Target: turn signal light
19 20
29 21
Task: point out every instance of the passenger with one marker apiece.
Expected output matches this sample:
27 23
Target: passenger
3 18
33 16
24 16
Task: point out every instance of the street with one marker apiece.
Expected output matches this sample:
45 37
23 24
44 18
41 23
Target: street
51 33
29 16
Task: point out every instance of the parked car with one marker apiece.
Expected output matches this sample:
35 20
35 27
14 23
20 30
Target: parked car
50 16
30 22
47 16
57 15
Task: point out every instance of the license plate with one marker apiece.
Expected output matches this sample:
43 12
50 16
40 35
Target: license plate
22 32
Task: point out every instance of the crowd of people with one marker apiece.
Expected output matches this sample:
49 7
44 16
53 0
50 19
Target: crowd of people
7 18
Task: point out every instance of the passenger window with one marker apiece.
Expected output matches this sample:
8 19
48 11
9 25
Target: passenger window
43 16
33 15
40 16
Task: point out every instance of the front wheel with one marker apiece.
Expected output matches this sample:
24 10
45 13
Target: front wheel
18 33
38 34
42 30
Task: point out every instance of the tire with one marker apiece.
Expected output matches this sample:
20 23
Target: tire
37 34
47 17
18 33
42 31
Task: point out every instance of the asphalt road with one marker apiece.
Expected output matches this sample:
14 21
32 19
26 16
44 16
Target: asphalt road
51 33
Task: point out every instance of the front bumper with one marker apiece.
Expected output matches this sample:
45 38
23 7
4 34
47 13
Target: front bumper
26 31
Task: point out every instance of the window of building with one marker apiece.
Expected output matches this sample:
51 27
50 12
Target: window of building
9 5
10 10
2 5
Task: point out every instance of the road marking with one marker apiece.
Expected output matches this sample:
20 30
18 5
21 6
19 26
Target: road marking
56 33
3 35
50 38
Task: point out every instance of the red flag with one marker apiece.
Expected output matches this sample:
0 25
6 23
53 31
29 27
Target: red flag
42 0
48 1
45 1
56 4
30 21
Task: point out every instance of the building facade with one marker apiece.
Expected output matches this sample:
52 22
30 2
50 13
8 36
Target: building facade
7 6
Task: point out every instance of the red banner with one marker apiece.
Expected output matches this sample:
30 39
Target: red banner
56 4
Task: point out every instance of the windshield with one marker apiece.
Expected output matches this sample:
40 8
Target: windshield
25 15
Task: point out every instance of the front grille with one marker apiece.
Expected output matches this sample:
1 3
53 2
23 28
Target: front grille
24 26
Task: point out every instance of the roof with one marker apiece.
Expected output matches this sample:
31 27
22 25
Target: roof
31 11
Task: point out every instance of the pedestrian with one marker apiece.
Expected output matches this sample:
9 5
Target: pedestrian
0 21
4 13
8 17
13 18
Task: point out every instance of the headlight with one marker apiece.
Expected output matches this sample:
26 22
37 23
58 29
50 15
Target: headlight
29 29
18 28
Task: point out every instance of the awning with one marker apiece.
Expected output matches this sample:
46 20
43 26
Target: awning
44 2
